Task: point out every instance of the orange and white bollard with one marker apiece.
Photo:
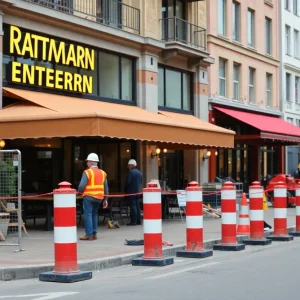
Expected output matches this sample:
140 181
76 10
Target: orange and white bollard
297 232
228 208
257 235
65 238
152 224
194 224
280 214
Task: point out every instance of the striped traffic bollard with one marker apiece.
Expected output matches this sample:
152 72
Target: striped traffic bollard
228 208
194 224
280 214
297 232
257 236
65 238
152 224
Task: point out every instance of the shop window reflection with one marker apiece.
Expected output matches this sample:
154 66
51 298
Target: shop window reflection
109 152
79 164
230 163
221 164
245 166
125 155
238 165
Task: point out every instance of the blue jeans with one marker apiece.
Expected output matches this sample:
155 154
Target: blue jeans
135 210
90 209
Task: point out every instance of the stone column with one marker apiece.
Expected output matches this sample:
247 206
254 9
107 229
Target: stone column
201 112
147 82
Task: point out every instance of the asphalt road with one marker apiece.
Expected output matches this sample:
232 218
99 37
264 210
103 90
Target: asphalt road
260 273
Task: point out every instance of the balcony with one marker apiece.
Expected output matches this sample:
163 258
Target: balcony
180 31
111 13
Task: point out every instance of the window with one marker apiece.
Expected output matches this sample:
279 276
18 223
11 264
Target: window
297 89
174 89
251 28
269 89
236 76
287 4
296 44
268 35
222 17
287 39
290 120
251 85
115 77
288 87
222 77
296 7
236 21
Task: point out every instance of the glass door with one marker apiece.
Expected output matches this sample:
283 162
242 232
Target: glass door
173 24
171 170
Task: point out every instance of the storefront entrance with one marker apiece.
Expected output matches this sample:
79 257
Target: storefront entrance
45 164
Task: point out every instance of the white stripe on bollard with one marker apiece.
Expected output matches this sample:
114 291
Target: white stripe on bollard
194 222
152 226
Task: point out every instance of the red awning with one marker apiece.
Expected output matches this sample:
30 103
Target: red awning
269 127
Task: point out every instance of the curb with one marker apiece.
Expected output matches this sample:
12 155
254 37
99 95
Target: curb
33 271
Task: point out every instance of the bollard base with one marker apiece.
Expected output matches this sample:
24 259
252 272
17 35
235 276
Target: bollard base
229 247
155 262
257 242
280 238
194 254
295 233
65 278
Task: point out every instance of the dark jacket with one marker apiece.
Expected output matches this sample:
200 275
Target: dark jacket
134 181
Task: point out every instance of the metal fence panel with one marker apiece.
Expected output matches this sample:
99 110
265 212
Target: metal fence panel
11 223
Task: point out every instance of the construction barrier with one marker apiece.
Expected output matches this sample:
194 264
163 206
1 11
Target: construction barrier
194 224
65 238
244 222
280 214
297 232
152 226
257 236
228 208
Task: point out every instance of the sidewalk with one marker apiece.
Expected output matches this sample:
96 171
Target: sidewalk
109 248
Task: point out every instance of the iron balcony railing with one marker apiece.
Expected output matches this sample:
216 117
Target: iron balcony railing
109 12
178 30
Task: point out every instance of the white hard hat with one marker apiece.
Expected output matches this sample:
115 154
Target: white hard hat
93 157
132 162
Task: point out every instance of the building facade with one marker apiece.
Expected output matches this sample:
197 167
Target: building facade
290 73
243 88
125 79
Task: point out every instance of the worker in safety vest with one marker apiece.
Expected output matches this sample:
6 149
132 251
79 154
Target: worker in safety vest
94 186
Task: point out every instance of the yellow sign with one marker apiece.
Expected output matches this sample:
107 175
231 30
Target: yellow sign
29 45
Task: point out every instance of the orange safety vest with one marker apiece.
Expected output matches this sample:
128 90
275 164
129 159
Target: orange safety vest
95 185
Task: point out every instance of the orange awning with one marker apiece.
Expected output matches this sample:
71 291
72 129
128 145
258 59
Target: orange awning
50 115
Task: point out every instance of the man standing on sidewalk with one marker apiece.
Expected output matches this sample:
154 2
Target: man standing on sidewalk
133 185
94 186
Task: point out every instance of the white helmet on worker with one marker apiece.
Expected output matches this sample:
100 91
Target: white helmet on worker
132 162
93 157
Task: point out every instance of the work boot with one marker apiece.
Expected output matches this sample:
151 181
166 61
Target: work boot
86 238
94 236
